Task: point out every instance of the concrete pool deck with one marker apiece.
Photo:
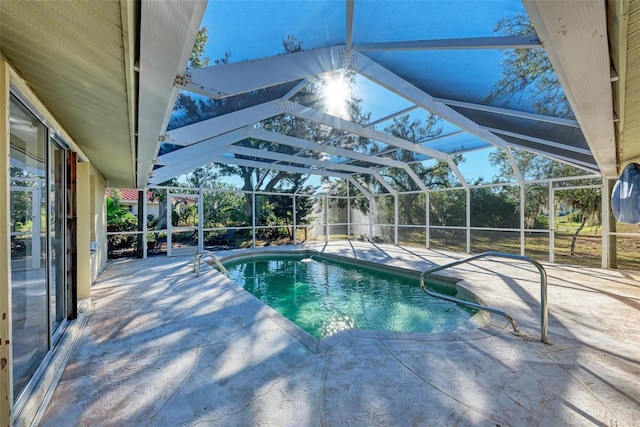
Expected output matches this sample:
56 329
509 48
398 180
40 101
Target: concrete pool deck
164 348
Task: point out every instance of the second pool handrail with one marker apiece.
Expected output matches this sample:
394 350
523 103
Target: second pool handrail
544 317
198 257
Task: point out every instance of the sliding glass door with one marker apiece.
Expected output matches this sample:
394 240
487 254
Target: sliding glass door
40 242
28 222
57 240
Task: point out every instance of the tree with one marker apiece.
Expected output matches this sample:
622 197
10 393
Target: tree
528 72
119 219
197 58
586 202
492 208
436 175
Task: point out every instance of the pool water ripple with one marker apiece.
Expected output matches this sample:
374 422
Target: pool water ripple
325 296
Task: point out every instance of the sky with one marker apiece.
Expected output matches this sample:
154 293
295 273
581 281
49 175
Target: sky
227 22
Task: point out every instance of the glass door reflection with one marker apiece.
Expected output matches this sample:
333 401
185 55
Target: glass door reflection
57 245
28 226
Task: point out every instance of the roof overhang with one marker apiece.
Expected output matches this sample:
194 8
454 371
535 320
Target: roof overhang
78 60
624 34
168 31
574 35
81 61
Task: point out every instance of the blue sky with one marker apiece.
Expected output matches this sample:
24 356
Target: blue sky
227 22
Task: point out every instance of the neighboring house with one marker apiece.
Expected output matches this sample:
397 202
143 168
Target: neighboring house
129 200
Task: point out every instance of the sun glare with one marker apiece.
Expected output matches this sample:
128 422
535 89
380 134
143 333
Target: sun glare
335 94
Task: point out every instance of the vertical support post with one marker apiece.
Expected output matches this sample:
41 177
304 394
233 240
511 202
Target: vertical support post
522 217
612 227
427 216
253 219
294 229
552 223
520 179
326 218
396 218
141 249
145 224
169 221
348 213
83 200
605 221
371 218
6 357
200 220
468 219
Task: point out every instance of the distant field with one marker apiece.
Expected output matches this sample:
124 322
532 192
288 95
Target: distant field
588 250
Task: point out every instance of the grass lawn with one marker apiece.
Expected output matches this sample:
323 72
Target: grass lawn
588 249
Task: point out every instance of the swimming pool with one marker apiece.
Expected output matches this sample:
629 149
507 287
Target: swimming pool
325 296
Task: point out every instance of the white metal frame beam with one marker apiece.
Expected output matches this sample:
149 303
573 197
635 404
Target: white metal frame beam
343 152
196 155
241 78
226 80
349 23
540 141
334 122
589 167
403 88
186 159
287 168
357 129
323 164
207 129
497 42
509 112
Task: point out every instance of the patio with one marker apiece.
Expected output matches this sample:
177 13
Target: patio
163 347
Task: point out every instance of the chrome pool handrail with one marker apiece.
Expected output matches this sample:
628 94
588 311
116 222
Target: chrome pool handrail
198 257
544 317
504 314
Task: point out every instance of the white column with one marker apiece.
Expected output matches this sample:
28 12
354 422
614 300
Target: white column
169 215
326 218
427 221
200 220
293 216
371 218
552 220
253 219
348 213
468 190
522 206
396 218
83 230
145 224
604 220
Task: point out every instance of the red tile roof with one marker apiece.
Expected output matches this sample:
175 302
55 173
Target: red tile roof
129 195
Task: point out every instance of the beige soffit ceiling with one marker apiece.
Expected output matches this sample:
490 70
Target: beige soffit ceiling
168 30
574 34
78 59
624 20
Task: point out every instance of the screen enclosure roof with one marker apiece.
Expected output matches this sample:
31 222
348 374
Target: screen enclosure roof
480 73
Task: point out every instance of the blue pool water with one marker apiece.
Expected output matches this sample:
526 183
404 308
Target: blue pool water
325 296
